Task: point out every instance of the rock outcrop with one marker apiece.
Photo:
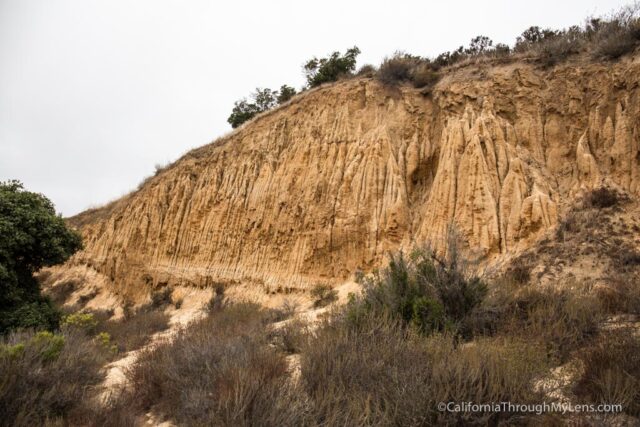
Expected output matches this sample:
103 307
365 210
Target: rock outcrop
341 175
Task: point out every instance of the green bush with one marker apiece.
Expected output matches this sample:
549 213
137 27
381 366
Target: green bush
83 321
428 314
479 45
261 100
33 236
425 291
285 94
49 345
331 68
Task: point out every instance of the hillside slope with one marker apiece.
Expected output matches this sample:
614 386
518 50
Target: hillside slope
341 175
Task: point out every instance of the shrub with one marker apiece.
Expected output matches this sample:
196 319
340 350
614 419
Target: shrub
135 330
61 292
243 111
47 378
617 36
449 58
533 36
378 372
396 69
612 370
603 197
285 94
479 45
331 68
560 320
519 271
559 47
425 291
501 50
423 75
217 300
83 321
323 295
285 311
367 70
289 338
403 67
219 371
261 100
161 297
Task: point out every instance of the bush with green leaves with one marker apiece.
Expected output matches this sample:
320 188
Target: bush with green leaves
32 237
425 291
261 100
331 68
285 94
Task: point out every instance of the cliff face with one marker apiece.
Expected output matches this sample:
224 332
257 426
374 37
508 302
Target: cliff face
341 175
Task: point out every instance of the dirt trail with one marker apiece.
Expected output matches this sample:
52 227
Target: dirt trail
193 302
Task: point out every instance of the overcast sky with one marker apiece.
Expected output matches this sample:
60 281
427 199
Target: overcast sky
93 93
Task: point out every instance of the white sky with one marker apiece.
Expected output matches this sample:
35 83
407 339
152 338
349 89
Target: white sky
94 93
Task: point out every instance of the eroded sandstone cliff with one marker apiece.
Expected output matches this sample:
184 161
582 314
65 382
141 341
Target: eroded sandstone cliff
332 181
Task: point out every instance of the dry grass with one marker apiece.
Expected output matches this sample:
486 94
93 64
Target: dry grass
134 331
401 68
48 379
612 370
559 320
219 371
323 295
380 373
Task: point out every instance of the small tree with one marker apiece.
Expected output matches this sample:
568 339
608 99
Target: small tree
32 236
242 112
324 70
263 100
285 94
479 45
532 36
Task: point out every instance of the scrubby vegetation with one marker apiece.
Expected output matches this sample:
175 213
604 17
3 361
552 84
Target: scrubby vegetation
47 378
379 372
430 293
219 371
331 68
424 330
261 100
323 295
612 370
403 67
135 329
53 378
606 38
33 236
